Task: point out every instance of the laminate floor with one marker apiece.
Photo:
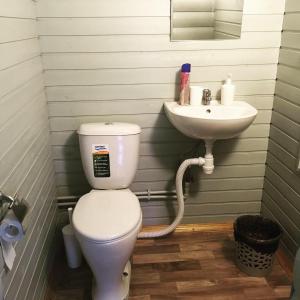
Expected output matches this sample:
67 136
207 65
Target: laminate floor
186 266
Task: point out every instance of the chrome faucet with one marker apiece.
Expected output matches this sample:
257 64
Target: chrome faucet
206 97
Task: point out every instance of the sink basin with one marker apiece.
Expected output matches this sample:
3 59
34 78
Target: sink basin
211 122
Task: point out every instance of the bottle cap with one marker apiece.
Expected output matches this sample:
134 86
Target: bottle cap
186 68
229 78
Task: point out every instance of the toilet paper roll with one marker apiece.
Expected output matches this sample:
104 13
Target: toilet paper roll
11 231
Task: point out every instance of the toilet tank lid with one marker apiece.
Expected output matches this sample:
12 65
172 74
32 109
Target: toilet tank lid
109 129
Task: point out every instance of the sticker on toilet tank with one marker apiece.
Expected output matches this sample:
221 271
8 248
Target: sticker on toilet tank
101 164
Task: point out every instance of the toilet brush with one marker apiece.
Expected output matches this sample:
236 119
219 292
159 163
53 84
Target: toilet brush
72 248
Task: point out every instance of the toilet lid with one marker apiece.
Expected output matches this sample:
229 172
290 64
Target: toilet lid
104 215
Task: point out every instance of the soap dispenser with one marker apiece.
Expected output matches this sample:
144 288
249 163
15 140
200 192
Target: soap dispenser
227 91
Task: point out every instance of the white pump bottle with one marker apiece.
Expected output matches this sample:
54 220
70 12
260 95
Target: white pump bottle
227 91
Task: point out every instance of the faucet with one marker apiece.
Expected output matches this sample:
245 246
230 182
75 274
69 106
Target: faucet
206 97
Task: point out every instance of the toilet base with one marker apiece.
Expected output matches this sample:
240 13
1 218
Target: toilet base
126 278
126 284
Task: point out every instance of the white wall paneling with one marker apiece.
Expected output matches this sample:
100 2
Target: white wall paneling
115 61
26 166
281 198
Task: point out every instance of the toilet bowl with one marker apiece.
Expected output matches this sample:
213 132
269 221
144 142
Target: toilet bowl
106 224
108 219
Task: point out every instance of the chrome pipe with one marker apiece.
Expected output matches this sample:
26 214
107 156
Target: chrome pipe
149 195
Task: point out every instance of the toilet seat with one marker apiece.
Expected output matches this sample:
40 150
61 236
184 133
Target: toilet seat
102 216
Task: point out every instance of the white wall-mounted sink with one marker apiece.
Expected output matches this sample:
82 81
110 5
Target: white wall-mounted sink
211 122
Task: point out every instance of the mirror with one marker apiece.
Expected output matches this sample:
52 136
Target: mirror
206 19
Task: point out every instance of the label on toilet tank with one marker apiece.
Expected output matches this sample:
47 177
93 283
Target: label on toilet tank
101 164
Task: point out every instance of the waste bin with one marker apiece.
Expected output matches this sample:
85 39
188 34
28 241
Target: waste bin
257 239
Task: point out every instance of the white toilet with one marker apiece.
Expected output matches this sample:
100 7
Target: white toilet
108 219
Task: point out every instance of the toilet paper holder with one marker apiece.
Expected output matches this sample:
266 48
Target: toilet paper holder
6 203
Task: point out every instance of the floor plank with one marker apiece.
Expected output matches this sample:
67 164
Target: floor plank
190 265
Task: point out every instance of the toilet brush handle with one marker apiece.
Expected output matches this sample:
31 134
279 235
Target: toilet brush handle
70 213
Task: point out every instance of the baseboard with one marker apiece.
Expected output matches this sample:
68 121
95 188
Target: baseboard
193 227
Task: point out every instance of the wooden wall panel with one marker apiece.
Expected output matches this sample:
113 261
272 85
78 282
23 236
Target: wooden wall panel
281 197
26 166
115 62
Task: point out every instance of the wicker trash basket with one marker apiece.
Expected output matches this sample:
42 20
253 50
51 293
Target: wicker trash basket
257 240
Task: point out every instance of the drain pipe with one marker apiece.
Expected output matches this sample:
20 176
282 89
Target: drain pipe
208 166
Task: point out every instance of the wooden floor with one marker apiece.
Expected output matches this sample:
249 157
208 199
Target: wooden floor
188 266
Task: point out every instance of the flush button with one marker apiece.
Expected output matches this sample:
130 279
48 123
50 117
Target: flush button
108 123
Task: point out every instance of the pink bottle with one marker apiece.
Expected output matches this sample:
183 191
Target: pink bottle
185 84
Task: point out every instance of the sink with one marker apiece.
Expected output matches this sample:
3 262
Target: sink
211 122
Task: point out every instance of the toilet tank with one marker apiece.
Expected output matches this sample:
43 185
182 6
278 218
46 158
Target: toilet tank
109 153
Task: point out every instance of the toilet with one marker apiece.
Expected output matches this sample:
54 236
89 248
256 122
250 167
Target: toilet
108 219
